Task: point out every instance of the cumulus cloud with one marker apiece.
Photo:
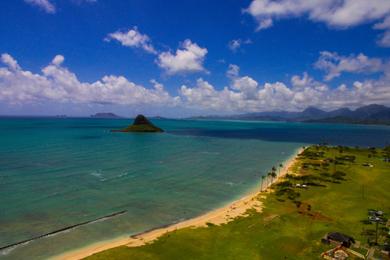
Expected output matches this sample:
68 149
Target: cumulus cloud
187 59
246 85
10 61
334 64
335 13
236 44
245 94
45 5
204 96
132 38
303 81
267 97
56 83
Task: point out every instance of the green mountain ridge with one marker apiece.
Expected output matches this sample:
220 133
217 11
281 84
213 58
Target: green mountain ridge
370 114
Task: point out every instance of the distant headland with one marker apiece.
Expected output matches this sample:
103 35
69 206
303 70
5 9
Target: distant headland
105 115
141 124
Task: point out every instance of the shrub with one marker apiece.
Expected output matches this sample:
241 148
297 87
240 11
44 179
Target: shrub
298 203
338 175
284 184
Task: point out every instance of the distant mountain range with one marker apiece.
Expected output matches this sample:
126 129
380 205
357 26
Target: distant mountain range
371 114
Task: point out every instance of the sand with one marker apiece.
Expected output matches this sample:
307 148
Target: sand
217 217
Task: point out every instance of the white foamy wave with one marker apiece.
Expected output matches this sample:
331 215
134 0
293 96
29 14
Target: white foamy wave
8 250
122 174
98 174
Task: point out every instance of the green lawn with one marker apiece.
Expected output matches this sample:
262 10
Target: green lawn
294 219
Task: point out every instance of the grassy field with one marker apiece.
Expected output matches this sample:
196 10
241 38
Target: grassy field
340 190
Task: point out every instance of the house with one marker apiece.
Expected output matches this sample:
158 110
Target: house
340 238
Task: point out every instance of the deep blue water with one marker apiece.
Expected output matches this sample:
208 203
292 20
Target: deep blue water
59 172
335 134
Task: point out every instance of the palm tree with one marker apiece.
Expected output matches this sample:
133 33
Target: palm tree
262 181
273 174
273 170
269 176
280 167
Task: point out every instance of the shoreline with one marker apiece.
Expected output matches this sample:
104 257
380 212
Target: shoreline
217 217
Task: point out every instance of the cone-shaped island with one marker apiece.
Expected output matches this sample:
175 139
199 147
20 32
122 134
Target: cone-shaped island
141 124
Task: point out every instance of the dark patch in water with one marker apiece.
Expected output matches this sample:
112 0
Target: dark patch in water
335 136
89 137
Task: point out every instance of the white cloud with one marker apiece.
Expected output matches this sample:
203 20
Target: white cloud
45 5
385 37
335 13
58 84
334 64
245 94
233 71
9 61
264 24
132 38
236 44
188 58
236 99
58 60
246 85
204 96
303 81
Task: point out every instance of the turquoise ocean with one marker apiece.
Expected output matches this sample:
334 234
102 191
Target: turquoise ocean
55 173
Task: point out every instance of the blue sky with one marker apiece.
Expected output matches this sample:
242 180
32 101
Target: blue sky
180 58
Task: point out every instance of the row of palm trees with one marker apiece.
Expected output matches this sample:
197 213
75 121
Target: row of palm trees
271 176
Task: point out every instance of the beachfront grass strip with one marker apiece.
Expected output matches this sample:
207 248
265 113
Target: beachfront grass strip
329 189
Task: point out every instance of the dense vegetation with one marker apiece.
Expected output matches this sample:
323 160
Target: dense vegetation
141 124
329 189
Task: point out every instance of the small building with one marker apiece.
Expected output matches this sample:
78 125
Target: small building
341 238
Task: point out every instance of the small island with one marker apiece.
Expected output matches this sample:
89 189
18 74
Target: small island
105 116
141 124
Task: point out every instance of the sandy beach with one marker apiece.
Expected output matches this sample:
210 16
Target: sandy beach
217 217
